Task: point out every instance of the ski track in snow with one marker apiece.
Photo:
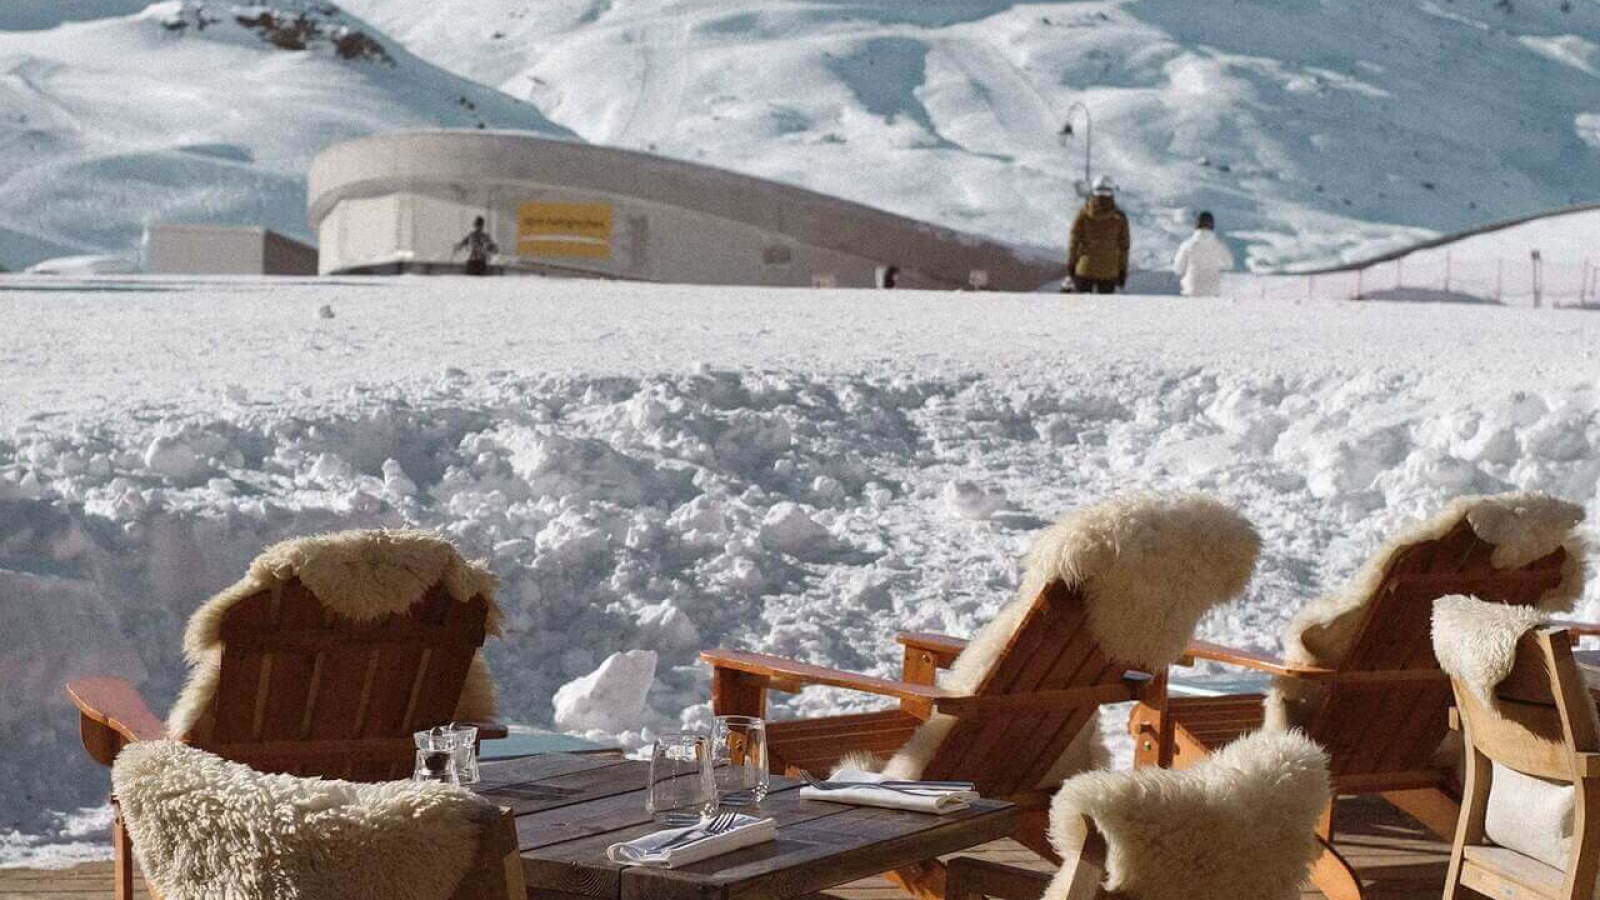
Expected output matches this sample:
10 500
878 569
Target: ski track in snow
671 468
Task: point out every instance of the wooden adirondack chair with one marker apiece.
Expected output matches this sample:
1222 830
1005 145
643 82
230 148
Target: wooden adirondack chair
1165 835
1542 725
1380 705
1051 667
294 686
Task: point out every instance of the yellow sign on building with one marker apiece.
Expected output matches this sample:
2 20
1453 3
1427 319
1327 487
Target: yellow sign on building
564 230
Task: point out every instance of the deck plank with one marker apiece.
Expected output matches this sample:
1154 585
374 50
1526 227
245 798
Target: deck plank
1398 859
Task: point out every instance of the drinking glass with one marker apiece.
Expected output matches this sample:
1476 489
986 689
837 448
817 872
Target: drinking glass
466 752
436 756
680 776
739 752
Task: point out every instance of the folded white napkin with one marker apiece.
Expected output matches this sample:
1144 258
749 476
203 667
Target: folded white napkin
938 801
747 830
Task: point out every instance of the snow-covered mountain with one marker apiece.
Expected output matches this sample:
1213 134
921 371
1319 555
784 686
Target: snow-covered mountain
195 111
1317 130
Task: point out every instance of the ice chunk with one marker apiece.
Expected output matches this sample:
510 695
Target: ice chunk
790 529
967 500
611 698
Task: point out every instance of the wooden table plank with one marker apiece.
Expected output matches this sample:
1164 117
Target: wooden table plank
566 821
825 852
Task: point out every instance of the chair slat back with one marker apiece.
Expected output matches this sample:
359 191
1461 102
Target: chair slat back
1389 729
307 692
1525 729
1053 648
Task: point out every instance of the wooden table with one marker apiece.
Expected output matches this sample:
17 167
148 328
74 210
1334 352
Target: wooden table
570 808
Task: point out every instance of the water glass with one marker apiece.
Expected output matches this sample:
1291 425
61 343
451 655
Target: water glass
467 753
680 776
436 756
739 752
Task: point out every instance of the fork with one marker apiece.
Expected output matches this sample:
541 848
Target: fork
914 788
722 824
821 785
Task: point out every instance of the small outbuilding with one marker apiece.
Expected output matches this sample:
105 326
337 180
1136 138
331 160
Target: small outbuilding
178 249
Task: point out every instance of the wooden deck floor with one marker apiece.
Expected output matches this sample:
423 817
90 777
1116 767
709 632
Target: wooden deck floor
1396 856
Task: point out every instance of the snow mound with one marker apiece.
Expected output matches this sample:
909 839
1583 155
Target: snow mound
611 697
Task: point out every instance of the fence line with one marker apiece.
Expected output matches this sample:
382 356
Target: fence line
1528 281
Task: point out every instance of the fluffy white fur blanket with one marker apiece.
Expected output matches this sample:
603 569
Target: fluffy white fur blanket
1476 642
205 828
1523 527
359 575
1149 566
1237 825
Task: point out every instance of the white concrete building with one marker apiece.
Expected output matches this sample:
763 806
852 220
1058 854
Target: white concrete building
400 202
177 249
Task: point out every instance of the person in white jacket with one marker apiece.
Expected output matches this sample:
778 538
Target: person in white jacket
1202 259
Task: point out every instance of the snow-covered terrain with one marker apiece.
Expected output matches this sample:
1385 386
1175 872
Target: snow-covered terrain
663 469
1317 131
195 112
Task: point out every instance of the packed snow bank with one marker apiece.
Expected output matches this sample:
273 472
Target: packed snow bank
664 469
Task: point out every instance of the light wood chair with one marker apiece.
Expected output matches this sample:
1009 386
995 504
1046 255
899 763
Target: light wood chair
303 690
1541 724
1380 708
1041 692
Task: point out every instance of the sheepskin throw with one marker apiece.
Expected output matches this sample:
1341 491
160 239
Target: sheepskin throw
1476 642
358 575
1148 567
204 828
1522 527
1237 825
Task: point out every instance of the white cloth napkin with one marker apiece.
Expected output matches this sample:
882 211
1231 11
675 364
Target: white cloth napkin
747 831
927 800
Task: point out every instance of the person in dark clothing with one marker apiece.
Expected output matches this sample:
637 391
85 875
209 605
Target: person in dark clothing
1097 256
888 276
479 247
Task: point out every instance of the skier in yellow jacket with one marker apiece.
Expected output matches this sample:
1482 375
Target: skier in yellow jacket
1097 257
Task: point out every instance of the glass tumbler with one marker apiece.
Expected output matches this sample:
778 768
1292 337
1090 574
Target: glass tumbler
680 776
739 753
436 756
466 753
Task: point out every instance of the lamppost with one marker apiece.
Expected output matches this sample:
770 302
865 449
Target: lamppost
1067 134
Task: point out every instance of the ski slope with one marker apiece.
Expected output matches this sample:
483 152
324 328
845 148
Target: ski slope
666 468
1317 131
183 112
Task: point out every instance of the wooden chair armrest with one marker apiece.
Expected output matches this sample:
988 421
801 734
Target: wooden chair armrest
1576 629
787 675
112 715
943 648
1131 687
489 731
969 878
1260 662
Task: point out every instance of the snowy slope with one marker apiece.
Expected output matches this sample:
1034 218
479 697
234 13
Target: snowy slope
185 112
1317 130
670 468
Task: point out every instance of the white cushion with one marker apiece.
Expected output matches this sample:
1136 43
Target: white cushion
1530 815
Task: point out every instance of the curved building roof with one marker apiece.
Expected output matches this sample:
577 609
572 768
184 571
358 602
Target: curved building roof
439 161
